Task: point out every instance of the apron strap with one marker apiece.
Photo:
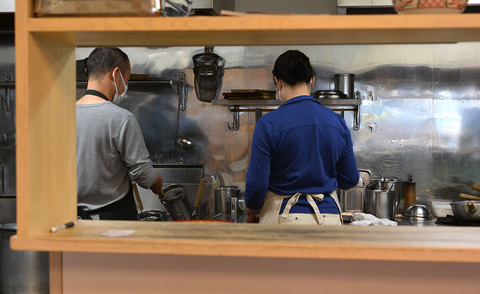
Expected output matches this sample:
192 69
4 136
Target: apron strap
294 199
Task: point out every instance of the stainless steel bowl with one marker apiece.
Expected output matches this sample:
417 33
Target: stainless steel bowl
418 212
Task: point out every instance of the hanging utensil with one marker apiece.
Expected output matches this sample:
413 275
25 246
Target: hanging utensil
198 200
215 183
181 142
137 197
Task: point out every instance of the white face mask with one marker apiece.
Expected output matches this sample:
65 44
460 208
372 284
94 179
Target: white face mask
278 94
117 98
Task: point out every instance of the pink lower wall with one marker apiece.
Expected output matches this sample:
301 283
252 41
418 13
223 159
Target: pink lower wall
137 273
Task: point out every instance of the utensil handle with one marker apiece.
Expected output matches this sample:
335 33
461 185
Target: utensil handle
475 187
468 197
137 196
199 193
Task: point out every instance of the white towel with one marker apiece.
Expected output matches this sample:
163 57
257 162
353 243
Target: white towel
364 219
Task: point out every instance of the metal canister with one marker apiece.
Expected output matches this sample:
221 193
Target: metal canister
380 203
223 201
393 185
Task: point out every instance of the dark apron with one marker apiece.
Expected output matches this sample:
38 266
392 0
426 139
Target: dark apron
124 209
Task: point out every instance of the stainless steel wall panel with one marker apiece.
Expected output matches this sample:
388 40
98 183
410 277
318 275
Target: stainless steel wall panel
419 112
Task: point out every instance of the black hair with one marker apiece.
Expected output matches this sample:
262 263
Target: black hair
104 59
293 67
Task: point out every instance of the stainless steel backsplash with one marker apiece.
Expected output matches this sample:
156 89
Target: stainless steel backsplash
419 114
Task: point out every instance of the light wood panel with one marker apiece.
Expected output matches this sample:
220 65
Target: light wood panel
46 165
56 272
263 30
449 244
45 122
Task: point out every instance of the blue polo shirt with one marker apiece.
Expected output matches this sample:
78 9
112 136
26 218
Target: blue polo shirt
300 147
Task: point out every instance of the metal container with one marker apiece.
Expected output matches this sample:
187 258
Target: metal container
353 200
344 82
394 185
97 7
380 203
21 271
223 201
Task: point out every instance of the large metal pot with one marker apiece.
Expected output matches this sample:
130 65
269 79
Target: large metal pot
466 209
21 271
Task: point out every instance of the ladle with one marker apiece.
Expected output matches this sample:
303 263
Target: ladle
183 143
180 141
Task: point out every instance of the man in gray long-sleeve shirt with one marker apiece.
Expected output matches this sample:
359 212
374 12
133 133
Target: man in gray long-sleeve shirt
111 150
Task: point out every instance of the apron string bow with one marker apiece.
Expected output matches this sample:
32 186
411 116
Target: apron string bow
294 199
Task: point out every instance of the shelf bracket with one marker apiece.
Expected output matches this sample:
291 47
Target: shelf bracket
235 124
342 105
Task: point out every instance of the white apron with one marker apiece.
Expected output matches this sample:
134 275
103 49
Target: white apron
271 208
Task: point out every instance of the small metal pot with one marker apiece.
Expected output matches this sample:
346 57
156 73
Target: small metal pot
466 210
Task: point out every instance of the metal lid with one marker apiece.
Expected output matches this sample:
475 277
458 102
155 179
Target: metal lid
418 212
329 94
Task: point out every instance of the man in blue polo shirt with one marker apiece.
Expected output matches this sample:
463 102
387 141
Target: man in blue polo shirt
301 153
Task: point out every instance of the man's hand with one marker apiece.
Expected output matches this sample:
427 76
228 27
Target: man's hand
253 216
157 185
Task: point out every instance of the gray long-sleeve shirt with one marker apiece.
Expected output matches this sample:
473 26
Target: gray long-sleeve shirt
110 152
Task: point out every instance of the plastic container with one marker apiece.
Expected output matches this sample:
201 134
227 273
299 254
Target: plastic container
97 7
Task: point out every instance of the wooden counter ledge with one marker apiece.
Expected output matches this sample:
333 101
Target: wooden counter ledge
446 244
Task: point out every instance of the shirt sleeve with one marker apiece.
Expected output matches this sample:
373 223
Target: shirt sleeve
257 179
132 149
347 172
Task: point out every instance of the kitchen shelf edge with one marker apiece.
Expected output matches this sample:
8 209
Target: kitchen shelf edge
439 244
263 30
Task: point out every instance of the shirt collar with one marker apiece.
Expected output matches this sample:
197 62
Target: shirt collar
298 99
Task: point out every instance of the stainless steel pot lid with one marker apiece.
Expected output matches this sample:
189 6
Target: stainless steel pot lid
418 212
329 94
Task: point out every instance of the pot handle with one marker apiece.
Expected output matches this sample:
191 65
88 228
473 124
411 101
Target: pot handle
471 207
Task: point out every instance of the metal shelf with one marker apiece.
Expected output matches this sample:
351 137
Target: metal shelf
246 103
342 105
340 102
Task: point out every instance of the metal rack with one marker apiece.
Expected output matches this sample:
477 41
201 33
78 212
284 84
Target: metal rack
260 106
236 106
343 105
180 85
